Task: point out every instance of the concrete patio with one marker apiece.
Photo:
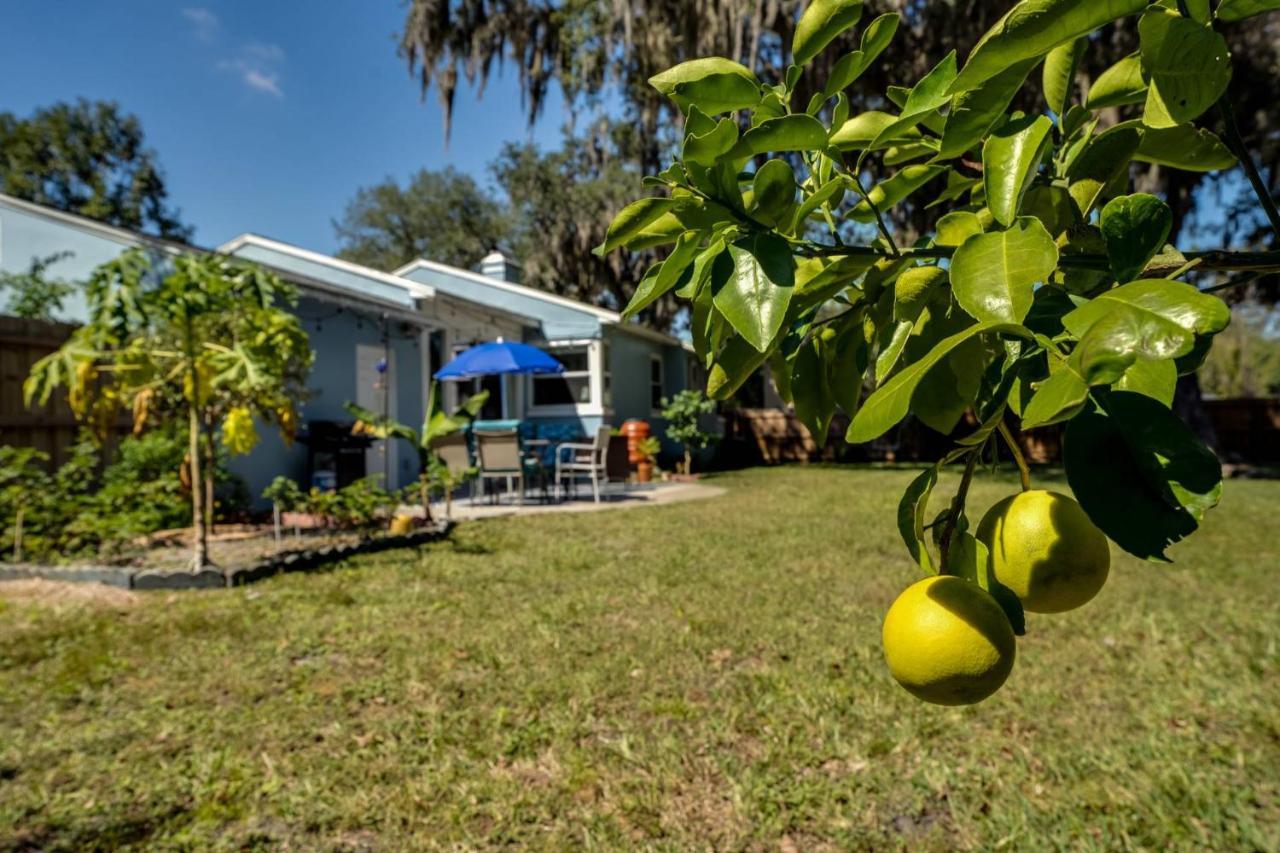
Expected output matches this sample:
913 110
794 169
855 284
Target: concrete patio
615 496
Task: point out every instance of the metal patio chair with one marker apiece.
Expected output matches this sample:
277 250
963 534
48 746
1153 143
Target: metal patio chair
576 461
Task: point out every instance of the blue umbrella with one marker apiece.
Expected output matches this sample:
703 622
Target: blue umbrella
499 357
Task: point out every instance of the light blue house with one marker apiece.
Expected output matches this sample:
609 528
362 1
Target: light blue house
378 337
614 370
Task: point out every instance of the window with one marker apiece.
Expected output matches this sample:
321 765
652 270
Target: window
571 388
656 392
606 375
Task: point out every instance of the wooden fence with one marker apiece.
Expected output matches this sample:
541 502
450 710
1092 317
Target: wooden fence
51 428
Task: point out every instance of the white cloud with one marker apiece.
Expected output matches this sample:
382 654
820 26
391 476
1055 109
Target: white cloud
258 67
203 20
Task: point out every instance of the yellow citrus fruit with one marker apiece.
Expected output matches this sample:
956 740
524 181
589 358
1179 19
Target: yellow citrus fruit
948 642
1046 550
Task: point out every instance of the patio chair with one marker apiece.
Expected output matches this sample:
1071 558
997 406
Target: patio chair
575 461
456 456
499 455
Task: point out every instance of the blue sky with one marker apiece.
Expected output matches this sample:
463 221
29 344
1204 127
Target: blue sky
267 116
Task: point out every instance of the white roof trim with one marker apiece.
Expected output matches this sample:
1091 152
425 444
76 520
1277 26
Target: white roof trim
84 223
524 290
415 289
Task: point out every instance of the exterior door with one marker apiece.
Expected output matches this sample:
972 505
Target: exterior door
375 384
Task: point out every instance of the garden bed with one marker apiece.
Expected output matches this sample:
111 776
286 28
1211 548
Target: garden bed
240 555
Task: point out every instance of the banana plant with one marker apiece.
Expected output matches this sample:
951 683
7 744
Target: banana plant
436 424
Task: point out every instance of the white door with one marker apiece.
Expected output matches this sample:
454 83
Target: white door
375 384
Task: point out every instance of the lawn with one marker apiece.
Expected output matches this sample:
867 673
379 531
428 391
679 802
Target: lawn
698 675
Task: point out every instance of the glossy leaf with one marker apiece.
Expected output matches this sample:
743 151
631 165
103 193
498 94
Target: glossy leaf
1238 10
811 389
1057 398
1058 75
926 97
1188 65
912 511
875 38
1119 85
1192 149
830 193
976 111
889 403
1032 28
956 227
798 132
1155 378
755 298
993 276
734 364
1140 473
1157 318
858 133
1105 157
822 22
1135 228
774 191
706 148
1010 159
663 277
714 84
631 222
914 289
888 193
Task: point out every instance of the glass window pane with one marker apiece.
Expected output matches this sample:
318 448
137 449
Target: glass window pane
574 360
561 390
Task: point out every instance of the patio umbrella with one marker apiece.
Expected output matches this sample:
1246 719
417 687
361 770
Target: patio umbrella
499 357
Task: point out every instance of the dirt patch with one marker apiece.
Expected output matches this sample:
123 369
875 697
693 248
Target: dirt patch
60 595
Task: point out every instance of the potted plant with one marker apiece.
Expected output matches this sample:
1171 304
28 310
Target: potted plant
684 413
648 449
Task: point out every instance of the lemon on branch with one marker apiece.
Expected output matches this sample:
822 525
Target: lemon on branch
1046 550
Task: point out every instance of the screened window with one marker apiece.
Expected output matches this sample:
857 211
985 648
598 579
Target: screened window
573 387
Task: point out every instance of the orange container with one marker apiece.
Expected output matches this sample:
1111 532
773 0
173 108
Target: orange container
636 431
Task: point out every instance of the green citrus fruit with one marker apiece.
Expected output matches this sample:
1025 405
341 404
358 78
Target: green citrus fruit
1046 550
948 642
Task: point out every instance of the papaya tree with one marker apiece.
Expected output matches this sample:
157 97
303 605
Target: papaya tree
198 336
1045 293
435 426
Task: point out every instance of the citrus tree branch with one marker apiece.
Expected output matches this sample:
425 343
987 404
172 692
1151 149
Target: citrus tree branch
1023 471
957 507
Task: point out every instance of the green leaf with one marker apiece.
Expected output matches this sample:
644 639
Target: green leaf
912 511
893 340
1188 65
976 111
849 357
1155 378
951 387
1135 228
811 390
798 132
713 84
888 193
1157 318
755 298
1059 74
1119 85
860 131
820 24
830 193
1238 10
913 290
631 222
1032 28
956 227
733 365
774 192
1010 159
875 38
664 276
889 403
1140 474
706 148
1057 398
1191 149
993 276
1052 205
927 96
1105 157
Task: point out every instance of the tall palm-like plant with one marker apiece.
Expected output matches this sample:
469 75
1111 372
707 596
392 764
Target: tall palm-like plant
197 336
435 426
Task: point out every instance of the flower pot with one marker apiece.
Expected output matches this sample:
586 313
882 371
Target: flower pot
644 472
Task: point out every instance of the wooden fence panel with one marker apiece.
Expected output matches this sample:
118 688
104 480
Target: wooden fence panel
50 428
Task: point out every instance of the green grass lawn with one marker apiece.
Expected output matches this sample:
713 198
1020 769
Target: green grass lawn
698 675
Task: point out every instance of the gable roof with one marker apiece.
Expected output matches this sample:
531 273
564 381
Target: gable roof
413 289
603 315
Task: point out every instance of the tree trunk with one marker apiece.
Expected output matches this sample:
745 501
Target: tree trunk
688 461
424 487
200 552
17 535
